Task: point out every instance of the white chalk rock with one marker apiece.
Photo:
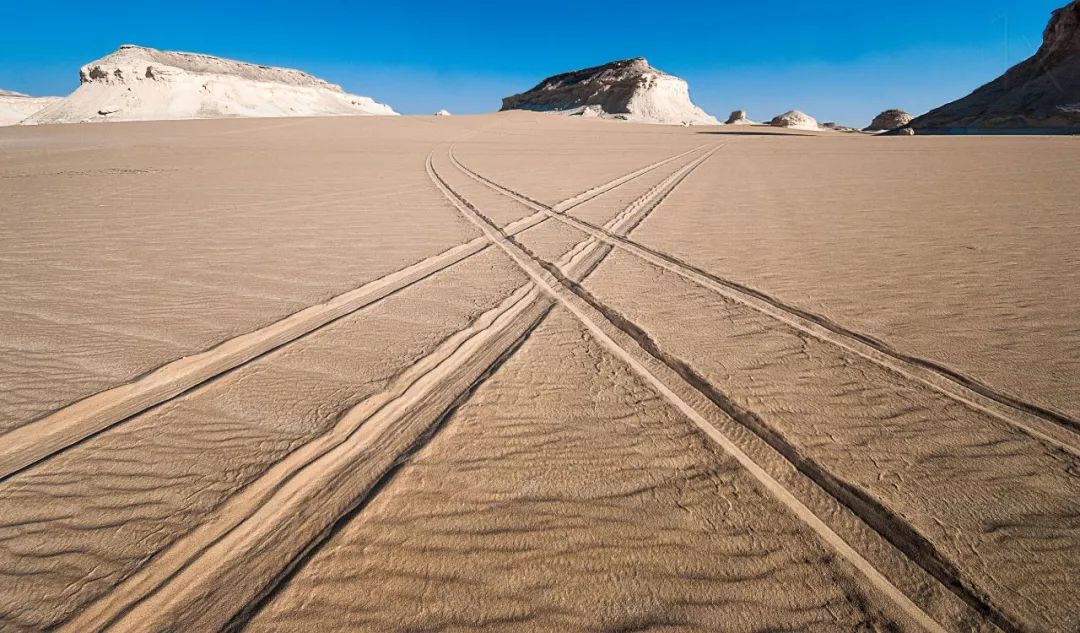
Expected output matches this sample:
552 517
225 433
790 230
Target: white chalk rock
143 84
629 90
795 120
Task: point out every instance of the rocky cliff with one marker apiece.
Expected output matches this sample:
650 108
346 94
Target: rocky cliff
1041 94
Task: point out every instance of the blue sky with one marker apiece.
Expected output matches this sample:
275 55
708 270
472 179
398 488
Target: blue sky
843 60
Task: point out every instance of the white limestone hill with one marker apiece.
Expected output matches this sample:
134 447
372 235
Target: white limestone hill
795 120
1038 95
143 84
629 90
15 106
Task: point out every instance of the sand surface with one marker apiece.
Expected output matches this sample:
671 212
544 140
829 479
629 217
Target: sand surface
522 372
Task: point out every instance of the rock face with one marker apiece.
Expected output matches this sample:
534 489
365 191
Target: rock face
795 120
141 84
739 117
889 120
1041 94
15 106
631 90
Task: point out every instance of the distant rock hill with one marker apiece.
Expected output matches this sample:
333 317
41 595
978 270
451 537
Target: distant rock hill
630 89
1041 94
739 117
889 120
15 106
795 120
140 84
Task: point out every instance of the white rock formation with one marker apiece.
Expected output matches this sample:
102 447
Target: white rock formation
837 127
15 106
739 117
141 84
630 90
889 120
442 113
795 120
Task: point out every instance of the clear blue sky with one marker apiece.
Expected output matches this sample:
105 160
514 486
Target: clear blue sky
842 60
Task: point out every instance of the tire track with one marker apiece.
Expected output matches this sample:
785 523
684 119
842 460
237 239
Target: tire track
598 319
1049 426
200 580
588 195
221 572
626 220
32 443
39 440
576 263
598 190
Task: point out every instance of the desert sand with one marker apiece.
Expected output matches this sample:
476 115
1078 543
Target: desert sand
522 372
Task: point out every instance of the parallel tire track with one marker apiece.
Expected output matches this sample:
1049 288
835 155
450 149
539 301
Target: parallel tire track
596 318
1052 427
588 195
219 574
625 221
52 434
577 263
199 582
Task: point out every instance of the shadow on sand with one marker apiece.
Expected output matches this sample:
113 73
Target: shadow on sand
753 133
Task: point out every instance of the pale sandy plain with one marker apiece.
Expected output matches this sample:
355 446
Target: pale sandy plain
522 372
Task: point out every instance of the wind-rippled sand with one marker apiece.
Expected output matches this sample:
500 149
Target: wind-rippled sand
521 372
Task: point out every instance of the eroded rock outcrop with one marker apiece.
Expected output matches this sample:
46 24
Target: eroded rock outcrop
630 89
889 120
140 84
1041 94
795 120
739 117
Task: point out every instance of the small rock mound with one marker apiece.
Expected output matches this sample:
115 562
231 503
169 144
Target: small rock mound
739 117
795 120
630 90
838 127
889 120
443 113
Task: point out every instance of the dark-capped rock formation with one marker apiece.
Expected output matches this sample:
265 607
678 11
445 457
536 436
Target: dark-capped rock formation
630 89
739 117
889 120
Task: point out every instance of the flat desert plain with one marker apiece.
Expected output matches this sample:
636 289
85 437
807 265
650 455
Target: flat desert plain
522 372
